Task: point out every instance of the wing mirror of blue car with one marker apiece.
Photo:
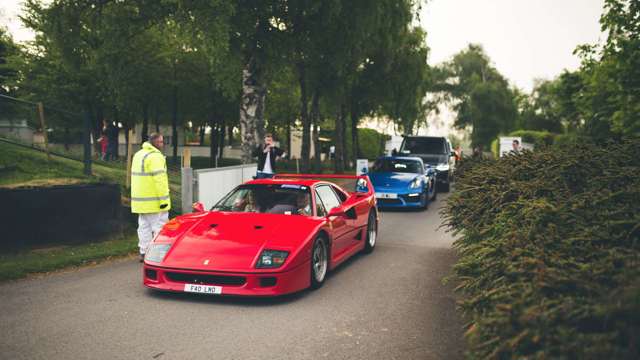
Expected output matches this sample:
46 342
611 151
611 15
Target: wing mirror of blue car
198 207
336 211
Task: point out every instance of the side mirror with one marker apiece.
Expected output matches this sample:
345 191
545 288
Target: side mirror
336 211
198 207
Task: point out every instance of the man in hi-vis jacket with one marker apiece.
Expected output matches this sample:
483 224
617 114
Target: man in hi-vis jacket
150 190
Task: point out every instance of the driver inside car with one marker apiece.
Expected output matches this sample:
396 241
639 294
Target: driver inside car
303 204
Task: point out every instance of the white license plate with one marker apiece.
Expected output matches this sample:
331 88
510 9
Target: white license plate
203 289
386 196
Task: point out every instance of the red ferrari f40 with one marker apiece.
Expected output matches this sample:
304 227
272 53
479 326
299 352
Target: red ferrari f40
267 237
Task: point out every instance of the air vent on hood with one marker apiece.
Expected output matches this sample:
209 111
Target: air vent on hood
213 225
258 227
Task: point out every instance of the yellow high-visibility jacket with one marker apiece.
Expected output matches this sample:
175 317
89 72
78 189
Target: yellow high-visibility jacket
149 181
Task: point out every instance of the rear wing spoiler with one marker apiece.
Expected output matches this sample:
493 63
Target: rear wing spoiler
349 183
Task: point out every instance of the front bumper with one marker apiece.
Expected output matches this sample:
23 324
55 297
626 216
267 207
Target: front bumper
232 283
403 199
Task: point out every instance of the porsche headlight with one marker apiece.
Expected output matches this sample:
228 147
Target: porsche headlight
442 167
157 252
271 259
415 183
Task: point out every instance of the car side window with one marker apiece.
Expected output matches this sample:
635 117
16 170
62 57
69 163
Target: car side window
328 197
320 210
340 194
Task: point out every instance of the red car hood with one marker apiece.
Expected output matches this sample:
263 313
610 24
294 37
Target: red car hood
225 241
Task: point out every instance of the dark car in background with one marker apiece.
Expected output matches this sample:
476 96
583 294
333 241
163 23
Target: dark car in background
435 151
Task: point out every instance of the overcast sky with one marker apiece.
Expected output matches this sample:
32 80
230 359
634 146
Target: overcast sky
525 39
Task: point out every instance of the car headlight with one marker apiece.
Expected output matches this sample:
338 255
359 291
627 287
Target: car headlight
271 259
442 167
157 252
415 183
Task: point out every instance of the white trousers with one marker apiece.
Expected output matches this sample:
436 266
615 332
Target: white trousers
149 226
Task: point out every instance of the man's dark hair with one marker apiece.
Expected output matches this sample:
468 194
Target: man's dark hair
268 135
516 141
154 136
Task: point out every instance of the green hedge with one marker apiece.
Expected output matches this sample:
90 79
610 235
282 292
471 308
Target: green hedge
371 143
549 251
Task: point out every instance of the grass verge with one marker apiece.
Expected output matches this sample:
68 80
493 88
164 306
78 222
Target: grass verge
19 265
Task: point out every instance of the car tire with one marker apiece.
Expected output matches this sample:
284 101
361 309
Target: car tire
372 234
435 191
424 200
319 262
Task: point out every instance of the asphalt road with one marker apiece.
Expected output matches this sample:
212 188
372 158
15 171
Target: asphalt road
390 304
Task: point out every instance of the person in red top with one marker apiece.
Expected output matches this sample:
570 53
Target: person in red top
104 143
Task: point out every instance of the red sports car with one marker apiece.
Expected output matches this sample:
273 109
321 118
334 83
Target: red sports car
266 237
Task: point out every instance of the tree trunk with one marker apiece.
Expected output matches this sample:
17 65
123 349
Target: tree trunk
230 135
339 140
289 124
345 149
126 141
304 115
157 119
355 149
145 122
174 117
202 129
251 111
97 129
213 136
315 118
221 144
116 119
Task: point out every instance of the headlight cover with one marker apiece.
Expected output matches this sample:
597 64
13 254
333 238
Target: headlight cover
271 259
442 167
157 252
415 183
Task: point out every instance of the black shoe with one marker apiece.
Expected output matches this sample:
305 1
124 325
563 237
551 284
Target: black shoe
141 258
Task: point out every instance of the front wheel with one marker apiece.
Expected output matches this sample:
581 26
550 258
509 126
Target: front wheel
372 233
319 262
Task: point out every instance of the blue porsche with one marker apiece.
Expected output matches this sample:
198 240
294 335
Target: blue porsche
403 182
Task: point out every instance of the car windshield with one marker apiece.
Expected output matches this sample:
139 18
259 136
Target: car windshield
397 165
286 199
424 145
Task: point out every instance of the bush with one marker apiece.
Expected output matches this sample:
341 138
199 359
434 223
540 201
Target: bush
550 252
371 143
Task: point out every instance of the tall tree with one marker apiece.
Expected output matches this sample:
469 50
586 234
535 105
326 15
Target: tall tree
484 101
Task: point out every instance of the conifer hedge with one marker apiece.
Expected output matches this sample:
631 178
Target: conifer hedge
549 245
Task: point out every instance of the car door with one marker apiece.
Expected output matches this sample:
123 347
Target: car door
337 224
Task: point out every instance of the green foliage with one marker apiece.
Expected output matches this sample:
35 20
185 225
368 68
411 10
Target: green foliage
542 111
8 71
549 257
15 266
26 166
485 102
609 98
371 143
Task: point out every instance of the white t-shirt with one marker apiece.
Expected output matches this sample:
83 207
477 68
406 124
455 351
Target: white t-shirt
267 164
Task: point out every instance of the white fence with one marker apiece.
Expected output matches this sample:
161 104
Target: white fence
210 185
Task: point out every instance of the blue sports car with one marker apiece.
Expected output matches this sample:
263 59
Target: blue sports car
403 182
